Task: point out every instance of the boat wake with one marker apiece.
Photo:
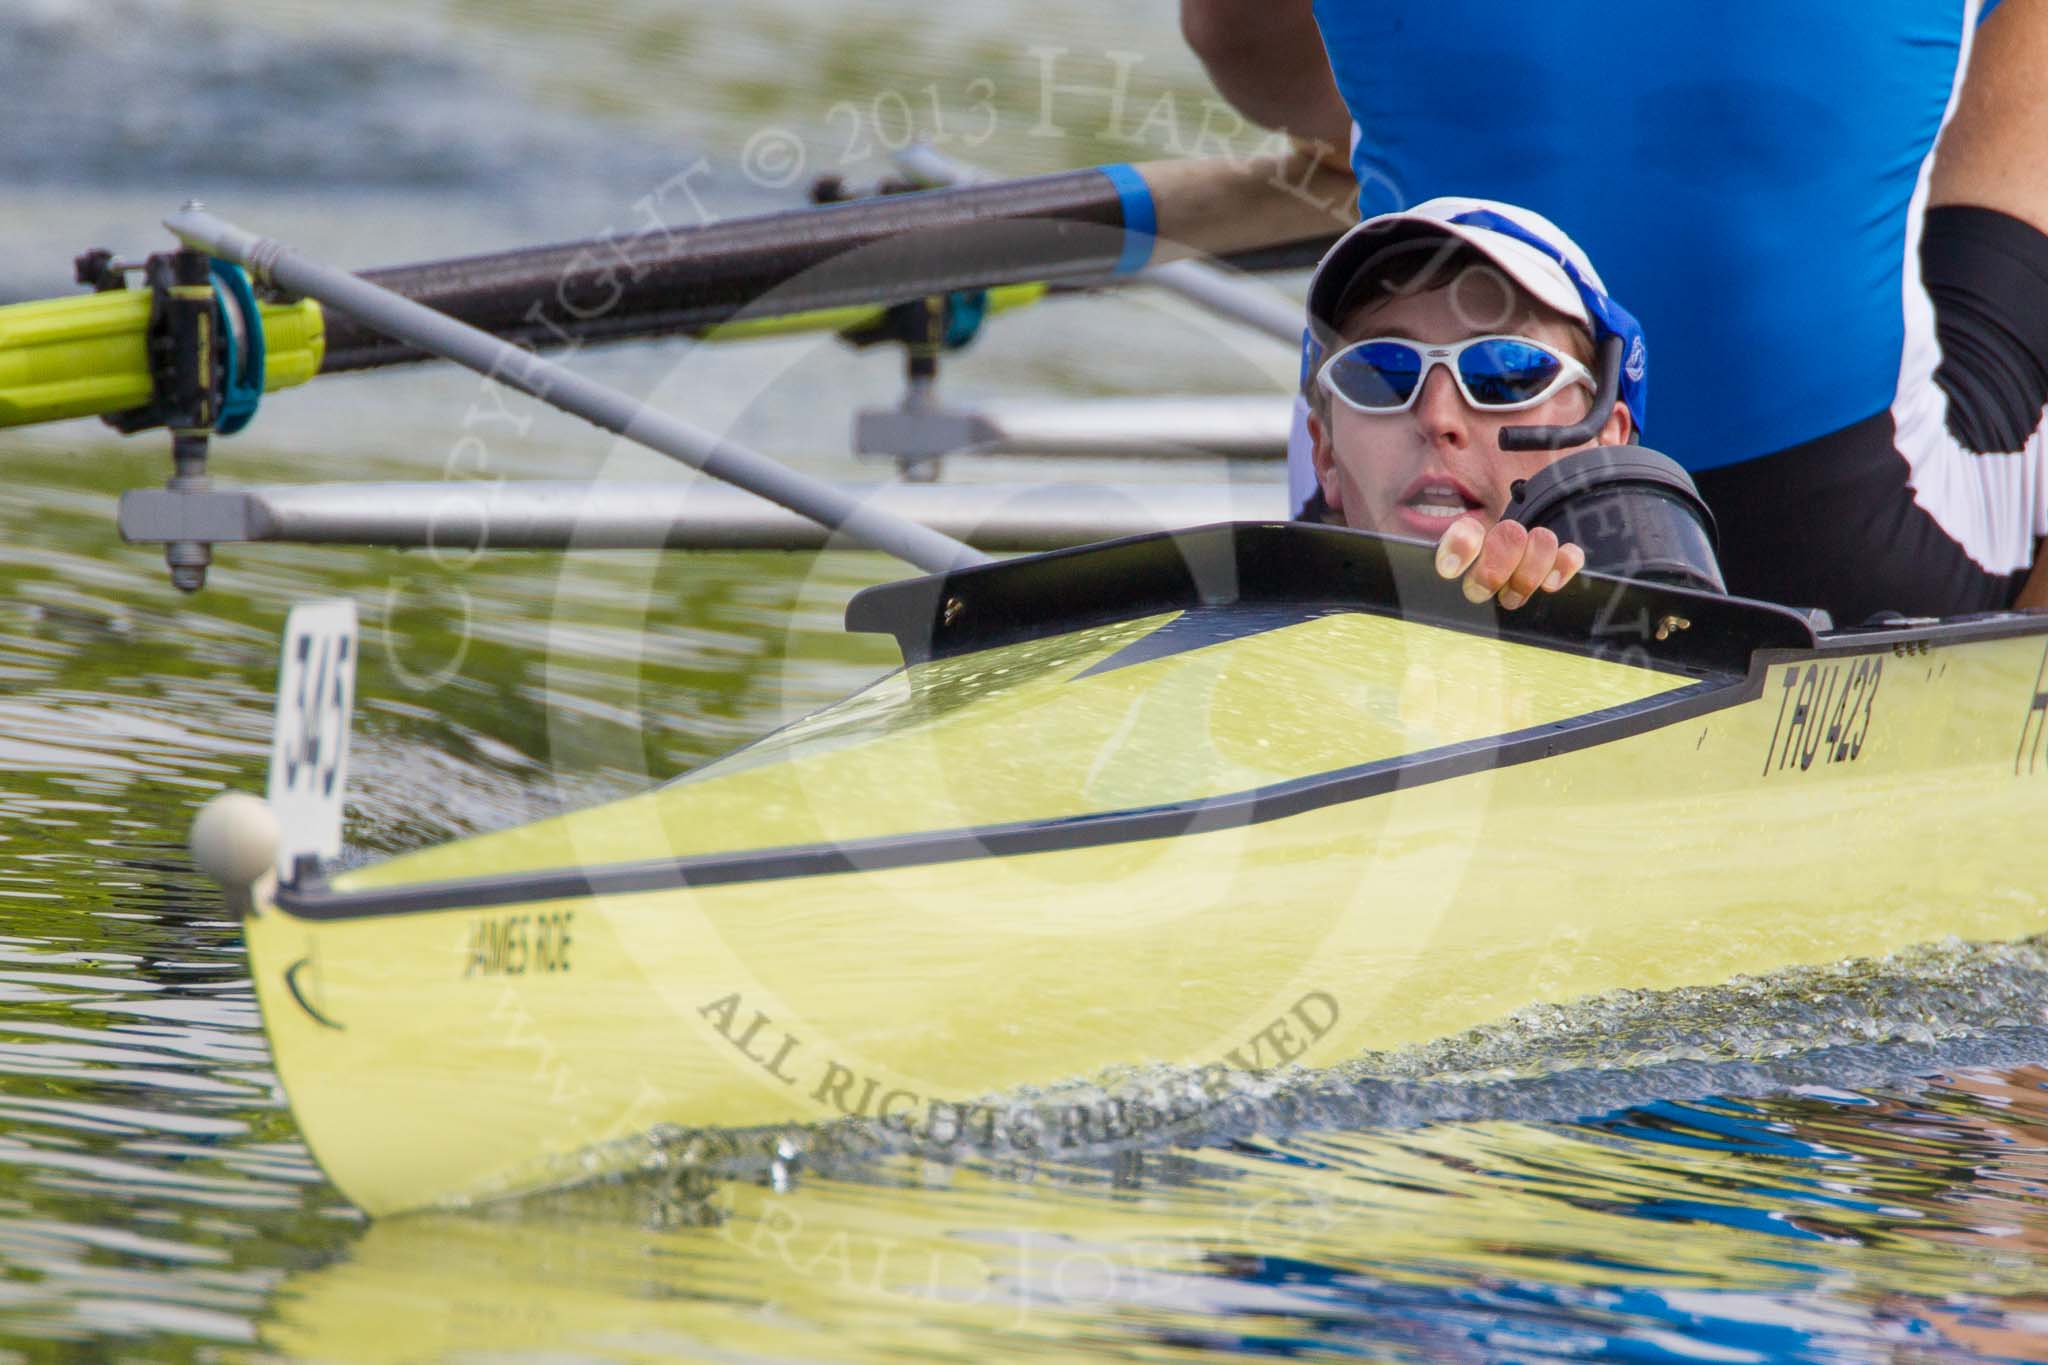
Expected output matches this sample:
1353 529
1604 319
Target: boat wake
1854 1025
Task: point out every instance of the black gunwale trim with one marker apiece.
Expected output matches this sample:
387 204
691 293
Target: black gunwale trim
1990 625
1253 806
1243 563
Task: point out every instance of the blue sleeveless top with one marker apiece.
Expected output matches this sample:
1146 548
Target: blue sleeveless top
1740 173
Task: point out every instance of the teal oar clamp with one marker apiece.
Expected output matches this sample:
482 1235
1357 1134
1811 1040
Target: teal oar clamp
925 328
206 365
240 345
948 322
966 310
217 393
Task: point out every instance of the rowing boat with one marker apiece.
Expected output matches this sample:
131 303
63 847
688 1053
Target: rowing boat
1222 801
1248 796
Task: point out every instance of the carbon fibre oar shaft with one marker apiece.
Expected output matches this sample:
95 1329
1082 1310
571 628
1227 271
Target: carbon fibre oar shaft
663 278
419 326
685 278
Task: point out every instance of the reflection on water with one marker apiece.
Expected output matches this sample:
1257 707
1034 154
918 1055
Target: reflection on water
1553 1186
151 1183
1821 1225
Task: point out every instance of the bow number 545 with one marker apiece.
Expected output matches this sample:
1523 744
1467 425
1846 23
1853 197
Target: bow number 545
309 753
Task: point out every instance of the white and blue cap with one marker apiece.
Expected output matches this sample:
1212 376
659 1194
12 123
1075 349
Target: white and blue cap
1529 249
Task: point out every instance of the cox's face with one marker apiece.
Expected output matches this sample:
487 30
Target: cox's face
1415 472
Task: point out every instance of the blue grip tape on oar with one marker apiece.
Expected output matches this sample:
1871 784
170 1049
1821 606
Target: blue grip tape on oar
1141 217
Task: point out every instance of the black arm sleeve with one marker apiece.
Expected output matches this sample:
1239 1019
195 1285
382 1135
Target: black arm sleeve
1987 273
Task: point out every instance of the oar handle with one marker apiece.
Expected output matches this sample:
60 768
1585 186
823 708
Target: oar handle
1216 206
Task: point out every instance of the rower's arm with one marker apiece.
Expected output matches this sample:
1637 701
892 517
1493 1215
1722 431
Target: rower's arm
1991 152
1266 57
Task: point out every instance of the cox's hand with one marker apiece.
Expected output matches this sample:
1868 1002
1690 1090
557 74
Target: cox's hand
1509 561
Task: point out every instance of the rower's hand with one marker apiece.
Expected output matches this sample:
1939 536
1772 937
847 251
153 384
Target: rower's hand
1509 561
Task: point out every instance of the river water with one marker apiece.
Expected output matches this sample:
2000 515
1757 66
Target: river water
1848 1163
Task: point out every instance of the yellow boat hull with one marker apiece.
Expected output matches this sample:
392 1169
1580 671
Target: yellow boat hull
1240 834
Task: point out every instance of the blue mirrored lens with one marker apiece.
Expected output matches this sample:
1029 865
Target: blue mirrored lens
1379 375
1499 373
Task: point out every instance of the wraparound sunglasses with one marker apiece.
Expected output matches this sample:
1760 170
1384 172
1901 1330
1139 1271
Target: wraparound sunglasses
1494 373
